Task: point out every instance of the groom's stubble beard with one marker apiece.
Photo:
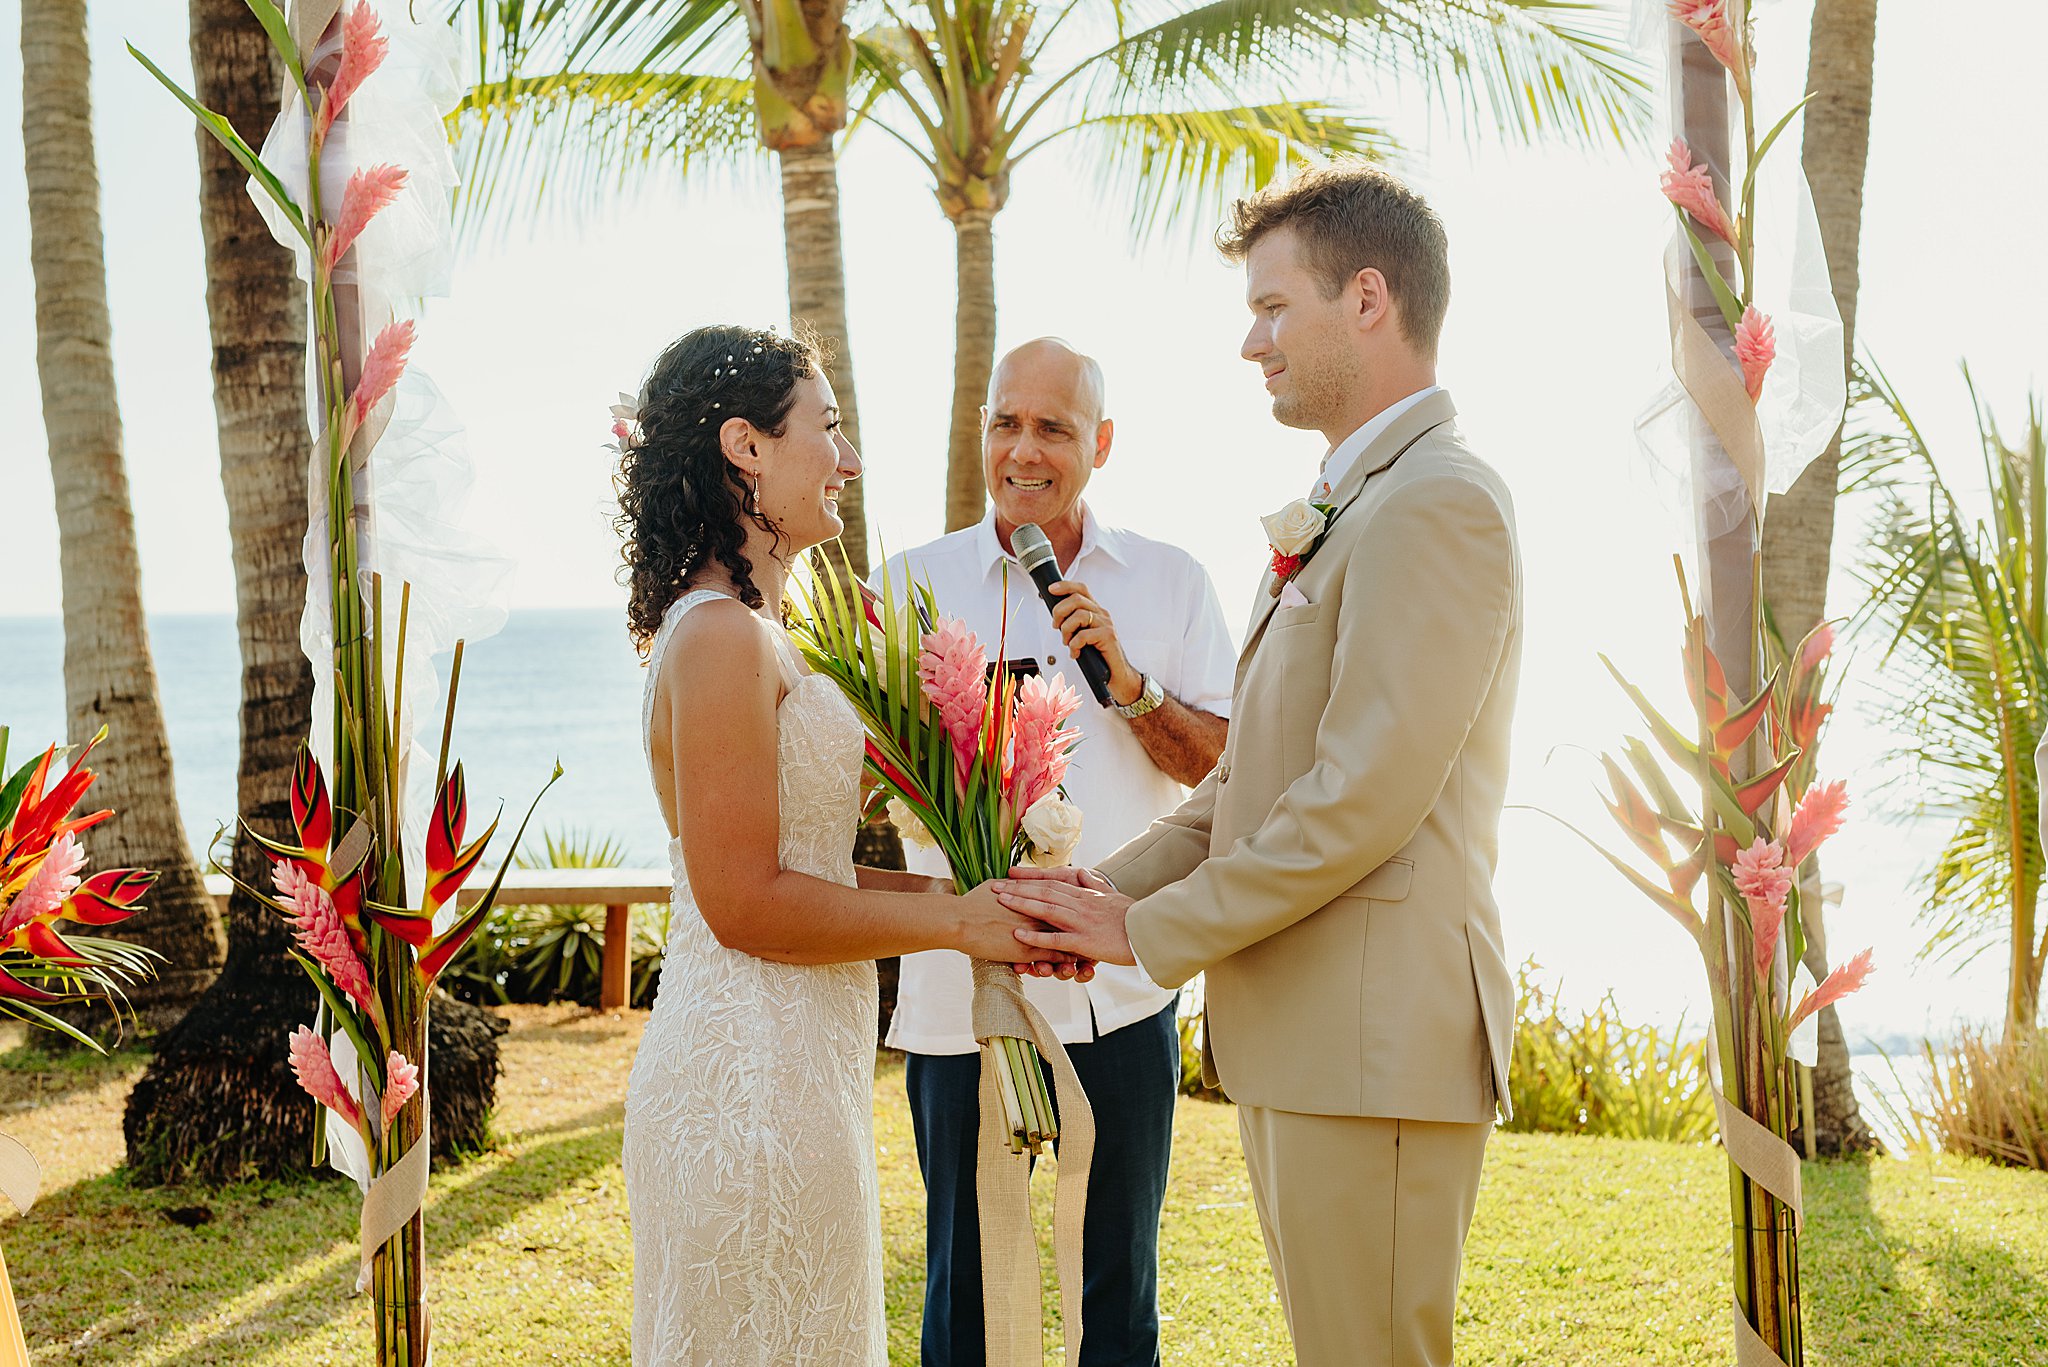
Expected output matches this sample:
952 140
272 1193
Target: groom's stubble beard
1317 388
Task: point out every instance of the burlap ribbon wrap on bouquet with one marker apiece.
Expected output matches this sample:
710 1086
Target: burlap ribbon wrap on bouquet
1012 1303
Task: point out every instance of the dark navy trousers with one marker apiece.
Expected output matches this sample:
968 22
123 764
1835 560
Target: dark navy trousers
1132 1077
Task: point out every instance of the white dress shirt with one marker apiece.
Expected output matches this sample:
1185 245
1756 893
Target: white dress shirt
1345 453
1171 627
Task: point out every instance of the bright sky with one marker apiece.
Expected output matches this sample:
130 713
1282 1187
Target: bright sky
1555 340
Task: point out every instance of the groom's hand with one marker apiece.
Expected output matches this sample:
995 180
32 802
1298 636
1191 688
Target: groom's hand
1086 921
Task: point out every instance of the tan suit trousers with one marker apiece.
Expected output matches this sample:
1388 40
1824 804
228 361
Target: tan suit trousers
1365 1222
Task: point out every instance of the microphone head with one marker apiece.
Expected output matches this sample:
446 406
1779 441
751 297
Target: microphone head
1032 546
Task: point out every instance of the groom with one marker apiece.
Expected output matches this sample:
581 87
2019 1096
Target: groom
1334 874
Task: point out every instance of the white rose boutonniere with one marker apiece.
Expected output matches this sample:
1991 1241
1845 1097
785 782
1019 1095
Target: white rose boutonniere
1293 534
1052 828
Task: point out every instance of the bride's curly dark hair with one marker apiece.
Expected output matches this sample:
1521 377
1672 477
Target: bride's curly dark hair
681 502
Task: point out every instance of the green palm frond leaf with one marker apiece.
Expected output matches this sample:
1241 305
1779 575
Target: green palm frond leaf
583 137
1956 607
1530 67
1184 165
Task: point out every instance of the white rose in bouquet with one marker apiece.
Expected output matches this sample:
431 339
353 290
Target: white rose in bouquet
1053 828
908 826
1294 529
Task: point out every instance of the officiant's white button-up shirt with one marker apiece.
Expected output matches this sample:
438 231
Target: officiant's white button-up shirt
1172 628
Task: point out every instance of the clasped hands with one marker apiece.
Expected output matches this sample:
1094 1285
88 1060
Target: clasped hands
1079 916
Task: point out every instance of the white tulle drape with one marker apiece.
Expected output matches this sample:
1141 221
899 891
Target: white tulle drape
410 498
1805 392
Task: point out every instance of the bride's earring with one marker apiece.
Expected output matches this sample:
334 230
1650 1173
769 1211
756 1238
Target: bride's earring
754 496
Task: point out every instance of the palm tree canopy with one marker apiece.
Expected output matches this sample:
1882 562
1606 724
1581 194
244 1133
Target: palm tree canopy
1958 610
1173 108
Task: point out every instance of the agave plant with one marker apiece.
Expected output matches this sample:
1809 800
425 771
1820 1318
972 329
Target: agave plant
40 890
1958 609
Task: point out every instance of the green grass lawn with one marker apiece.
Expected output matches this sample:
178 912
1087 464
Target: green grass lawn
1584 1251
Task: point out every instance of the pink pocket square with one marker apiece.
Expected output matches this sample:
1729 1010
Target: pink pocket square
1292 597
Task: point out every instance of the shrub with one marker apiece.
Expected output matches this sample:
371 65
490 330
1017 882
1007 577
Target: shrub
1596 1075
1989 1098
556 953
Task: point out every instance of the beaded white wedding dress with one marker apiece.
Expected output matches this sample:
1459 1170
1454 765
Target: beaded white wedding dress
749 1137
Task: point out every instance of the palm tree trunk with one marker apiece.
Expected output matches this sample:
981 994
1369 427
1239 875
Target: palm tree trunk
974 357
817 296
1799 531
108 676
219 1101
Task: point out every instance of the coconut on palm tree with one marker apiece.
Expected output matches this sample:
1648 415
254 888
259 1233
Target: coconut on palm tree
1176 107
109 679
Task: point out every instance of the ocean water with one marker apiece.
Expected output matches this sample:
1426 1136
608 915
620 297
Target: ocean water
552 684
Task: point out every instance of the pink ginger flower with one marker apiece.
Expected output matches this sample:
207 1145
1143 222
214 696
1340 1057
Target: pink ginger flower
321 933
314 1067
1838 984
1691 188
1765 883
1710 20
381 369
401 1081
55 879
1040 743
1755 347
363 48
1818 816
954 672
370 191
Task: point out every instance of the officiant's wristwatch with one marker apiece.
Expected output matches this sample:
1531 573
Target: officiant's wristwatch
1149 697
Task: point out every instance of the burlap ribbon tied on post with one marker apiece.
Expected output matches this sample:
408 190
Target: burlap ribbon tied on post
21 1180
1012 1303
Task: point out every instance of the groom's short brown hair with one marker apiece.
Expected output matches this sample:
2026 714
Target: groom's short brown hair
1347 217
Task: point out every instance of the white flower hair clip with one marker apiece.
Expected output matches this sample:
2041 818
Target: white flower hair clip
625 417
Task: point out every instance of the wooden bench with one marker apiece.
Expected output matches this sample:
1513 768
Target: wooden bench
616 890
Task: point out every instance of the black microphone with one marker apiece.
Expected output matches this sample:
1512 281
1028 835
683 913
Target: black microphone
1034 553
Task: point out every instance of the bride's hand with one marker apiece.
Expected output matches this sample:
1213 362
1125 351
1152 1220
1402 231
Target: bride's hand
987 930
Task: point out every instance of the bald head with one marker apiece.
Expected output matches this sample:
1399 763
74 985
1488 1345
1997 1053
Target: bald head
1049 364
1042 436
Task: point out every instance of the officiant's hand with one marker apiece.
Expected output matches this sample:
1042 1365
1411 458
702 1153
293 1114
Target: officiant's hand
1087 919
1083 622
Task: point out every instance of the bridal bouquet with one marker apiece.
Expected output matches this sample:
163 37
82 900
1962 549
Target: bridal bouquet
969 762
355 179
40 888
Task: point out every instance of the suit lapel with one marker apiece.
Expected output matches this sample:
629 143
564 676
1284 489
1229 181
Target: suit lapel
1388 447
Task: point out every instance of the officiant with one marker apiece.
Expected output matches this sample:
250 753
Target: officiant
1152 612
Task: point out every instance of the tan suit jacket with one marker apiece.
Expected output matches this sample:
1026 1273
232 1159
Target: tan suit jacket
1334 874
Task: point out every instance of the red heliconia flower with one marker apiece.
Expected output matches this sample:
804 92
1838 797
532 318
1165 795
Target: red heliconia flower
370 191
1837 985
363 48
1819 644
312 811
381 370
449 862
40 818
108 896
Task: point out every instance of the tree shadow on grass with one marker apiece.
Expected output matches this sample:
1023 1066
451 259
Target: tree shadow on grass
1911 1288
104 1274
32 1076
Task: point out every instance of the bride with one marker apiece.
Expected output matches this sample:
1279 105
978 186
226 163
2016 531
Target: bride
749 1153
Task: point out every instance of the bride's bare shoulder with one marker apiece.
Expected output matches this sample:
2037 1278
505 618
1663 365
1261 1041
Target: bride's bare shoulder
719 648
